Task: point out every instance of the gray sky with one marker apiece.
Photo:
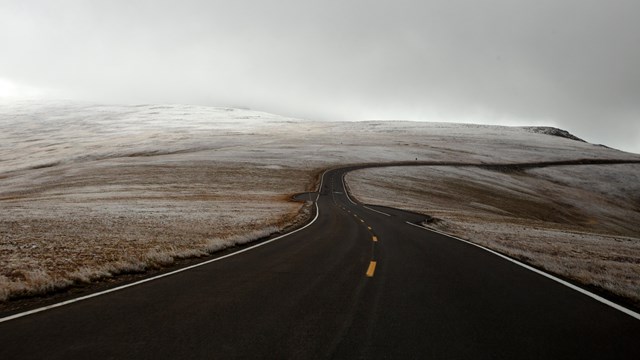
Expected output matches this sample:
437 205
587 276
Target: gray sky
574 64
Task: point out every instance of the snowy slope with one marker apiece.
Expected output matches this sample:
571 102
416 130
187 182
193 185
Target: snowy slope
48 133
87 191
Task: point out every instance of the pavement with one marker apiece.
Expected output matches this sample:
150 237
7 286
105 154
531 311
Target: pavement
358 282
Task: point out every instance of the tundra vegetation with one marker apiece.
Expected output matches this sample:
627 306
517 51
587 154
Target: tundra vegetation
579 222
91 191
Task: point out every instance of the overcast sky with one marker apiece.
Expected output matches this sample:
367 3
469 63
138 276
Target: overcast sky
573 64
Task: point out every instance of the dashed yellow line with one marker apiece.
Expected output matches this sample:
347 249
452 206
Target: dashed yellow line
361 220
369 227
375 239
371 269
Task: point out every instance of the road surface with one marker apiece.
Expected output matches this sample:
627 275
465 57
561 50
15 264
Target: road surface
359 282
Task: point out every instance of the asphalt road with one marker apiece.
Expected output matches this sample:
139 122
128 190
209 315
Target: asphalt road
357 283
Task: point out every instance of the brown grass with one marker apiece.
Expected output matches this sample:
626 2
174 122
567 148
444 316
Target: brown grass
80 223
571 228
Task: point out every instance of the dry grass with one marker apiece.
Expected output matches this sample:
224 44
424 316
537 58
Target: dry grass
89 221
88 191
578 222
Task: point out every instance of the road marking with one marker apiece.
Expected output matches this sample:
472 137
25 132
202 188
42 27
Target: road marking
71 301
371 269
346 192
540 272
375 239
361 220
379 212
369 227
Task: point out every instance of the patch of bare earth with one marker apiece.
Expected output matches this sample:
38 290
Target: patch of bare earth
580 222
66 224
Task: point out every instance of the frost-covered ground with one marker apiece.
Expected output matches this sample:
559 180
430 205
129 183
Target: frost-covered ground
87 191
577 221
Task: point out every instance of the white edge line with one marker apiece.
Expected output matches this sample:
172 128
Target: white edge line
320 188
379 212
543 273
346 192
71 301
322 182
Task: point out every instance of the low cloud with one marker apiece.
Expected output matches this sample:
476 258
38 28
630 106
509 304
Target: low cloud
572 64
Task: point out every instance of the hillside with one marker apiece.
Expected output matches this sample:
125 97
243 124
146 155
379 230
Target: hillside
90 191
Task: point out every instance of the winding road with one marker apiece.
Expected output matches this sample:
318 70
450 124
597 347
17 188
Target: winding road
357 282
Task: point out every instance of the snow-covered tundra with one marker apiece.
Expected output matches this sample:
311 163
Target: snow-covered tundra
88 191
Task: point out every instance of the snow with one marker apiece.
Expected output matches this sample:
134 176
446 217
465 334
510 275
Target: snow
577 221
88 190
45 134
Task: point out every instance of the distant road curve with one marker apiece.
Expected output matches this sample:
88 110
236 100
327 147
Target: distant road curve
357 282
497 165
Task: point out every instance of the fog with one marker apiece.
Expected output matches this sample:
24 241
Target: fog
571 64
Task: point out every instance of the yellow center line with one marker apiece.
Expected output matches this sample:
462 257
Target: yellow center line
361 220
369 227
375 238
371 269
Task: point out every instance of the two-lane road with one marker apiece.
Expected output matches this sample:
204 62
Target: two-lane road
359 282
